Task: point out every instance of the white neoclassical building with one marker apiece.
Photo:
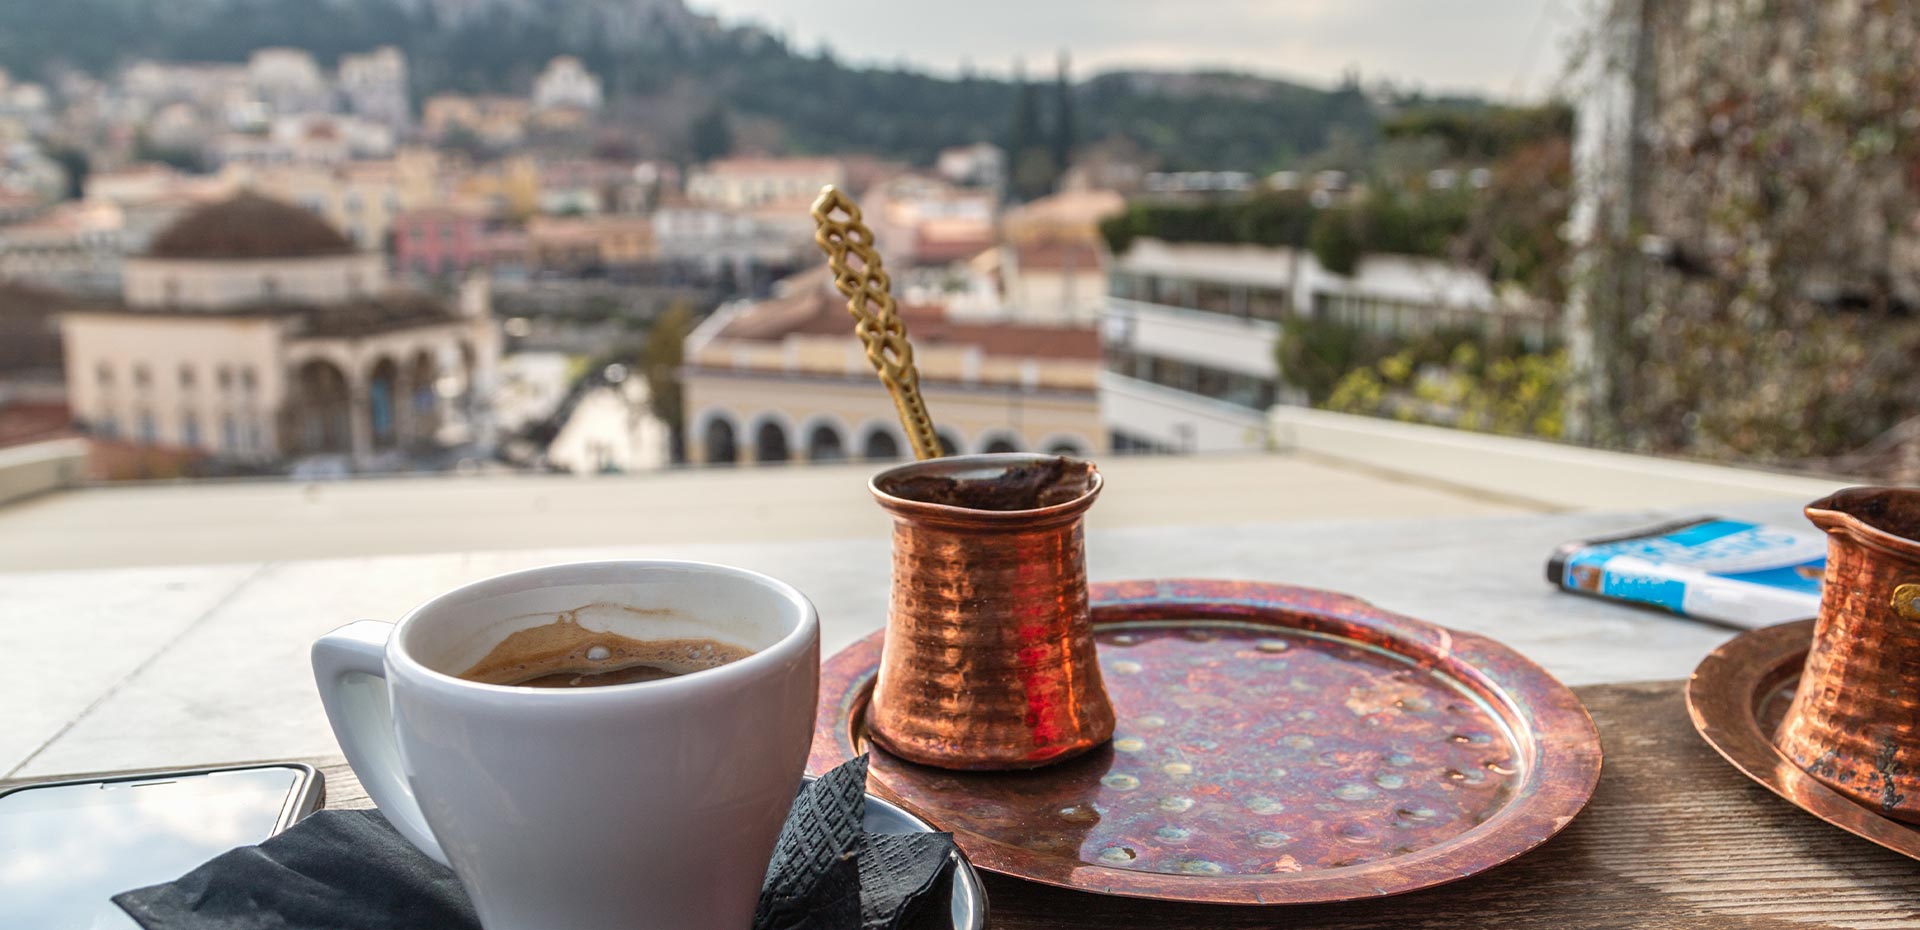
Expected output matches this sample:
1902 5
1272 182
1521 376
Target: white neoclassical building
252 330
566 82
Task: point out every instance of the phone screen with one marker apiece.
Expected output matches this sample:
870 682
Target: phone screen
65 850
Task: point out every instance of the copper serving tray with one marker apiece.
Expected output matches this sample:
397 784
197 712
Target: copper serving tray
1275 745
1738 695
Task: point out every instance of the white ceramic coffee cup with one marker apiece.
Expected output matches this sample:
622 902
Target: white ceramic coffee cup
645 806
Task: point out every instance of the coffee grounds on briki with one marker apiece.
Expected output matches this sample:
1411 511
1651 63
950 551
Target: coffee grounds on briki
1022 487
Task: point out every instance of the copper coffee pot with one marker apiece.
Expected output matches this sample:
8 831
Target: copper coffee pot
988 660
1855 720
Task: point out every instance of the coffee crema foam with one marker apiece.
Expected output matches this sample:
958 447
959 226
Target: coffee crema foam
564 654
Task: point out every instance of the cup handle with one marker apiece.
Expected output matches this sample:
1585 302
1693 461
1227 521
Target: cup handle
349 665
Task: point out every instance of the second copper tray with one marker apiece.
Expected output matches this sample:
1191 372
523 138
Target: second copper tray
1276 745
1738 695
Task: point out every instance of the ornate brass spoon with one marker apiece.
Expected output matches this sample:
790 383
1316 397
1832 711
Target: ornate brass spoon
859 277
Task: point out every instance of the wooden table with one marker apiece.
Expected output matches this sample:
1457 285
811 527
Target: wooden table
1674 838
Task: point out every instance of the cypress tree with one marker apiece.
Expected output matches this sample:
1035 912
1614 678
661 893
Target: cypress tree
1062 118
1025 131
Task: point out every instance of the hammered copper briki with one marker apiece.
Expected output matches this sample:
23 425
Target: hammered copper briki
989 660
1275 745
1856 723
1738 696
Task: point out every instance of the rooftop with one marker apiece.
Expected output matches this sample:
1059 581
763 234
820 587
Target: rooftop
769 165
1405 277
808 309
1059 255
360 316
1067 210
249 226
1242 263
67 217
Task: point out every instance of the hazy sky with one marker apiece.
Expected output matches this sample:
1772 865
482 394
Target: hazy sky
1499 47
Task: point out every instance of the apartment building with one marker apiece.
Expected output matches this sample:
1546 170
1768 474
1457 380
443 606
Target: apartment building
1191 331
742 183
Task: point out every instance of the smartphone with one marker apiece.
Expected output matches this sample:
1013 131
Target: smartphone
66 848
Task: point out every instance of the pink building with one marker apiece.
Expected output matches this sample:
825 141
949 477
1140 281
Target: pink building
438 241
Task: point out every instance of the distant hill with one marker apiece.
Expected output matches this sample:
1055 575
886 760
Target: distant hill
660 58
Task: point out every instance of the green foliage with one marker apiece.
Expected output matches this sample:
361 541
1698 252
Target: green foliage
1413 223
1335 240
1388 222
1399 223
1024 129
74 162
1032 167
1033 174
1118 231
1483 132
710 136
659 363
1063 128
1513 229
1276 218
1516 394
1224 121
1314 355
461 139
1783 330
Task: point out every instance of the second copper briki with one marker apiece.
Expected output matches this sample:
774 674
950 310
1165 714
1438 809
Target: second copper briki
989 660
1855 720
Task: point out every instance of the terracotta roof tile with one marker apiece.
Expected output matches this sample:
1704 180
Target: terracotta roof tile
815 312
1058 255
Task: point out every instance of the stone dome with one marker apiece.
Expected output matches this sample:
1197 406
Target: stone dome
249 225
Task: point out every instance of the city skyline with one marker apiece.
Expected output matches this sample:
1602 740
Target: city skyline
1508 49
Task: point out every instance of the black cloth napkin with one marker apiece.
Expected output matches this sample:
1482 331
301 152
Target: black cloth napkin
336 869
350 869
828 874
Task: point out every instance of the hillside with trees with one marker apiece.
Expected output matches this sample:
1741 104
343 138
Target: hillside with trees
810 101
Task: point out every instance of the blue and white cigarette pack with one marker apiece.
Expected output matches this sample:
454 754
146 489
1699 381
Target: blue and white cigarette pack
1727 571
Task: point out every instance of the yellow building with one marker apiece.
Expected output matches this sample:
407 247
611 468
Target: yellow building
784 379
498 121
575 243
510 186
743 183
360 198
